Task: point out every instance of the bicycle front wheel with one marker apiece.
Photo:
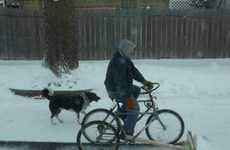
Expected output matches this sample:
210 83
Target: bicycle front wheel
165 126
97 135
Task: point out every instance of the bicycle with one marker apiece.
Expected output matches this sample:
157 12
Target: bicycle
159 122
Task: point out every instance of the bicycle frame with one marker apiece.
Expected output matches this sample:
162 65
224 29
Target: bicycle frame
150 105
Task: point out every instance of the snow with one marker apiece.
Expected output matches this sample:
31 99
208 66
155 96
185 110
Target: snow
198 89
203 144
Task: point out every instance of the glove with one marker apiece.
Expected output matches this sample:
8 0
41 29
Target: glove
148 84
131 102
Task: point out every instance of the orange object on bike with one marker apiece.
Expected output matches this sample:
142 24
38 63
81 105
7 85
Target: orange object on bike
131 102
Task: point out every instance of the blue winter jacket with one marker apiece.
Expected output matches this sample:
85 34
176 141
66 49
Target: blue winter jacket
120 74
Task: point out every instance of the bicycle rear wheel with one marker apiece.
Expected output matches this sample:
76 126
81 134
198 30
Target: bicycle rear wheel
165 126
105 115
97 135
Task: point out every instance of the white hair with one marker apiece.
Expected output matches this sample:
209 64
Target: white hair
126 47
126 44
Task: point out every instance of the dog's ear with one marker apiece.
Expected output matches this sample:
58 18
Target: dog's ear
45 92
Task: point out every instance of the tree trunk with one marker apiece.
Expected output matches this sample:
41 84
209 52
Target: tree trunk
60 34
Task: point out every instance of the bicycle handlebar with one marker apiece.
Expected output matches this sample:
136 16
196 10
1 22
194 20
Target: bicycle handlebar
156 85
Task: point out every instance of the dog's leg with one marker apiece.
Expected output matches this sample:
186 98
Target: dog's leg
61 121
57 113
52 120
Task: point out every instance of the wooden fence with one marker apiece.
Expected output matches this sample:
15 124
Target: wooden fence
21 34
165 34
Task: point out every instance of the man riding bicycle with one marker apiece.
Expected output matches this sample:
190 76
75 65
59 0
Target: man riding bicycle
119 84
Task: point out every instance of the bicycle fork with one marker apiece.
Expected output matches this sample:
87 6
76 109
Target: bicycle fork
161 123
156 117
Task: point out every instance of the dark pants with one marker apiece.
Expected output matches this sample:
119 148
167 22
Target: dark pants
130 115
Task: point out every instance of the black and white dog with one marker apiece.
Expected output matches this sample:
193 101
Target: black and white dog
76 103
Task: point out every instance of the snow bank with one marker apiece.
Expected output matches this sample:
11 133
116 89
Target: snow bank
198 89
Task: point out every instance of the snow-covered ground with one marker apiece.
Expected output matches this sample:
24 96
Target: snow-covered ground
199 90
